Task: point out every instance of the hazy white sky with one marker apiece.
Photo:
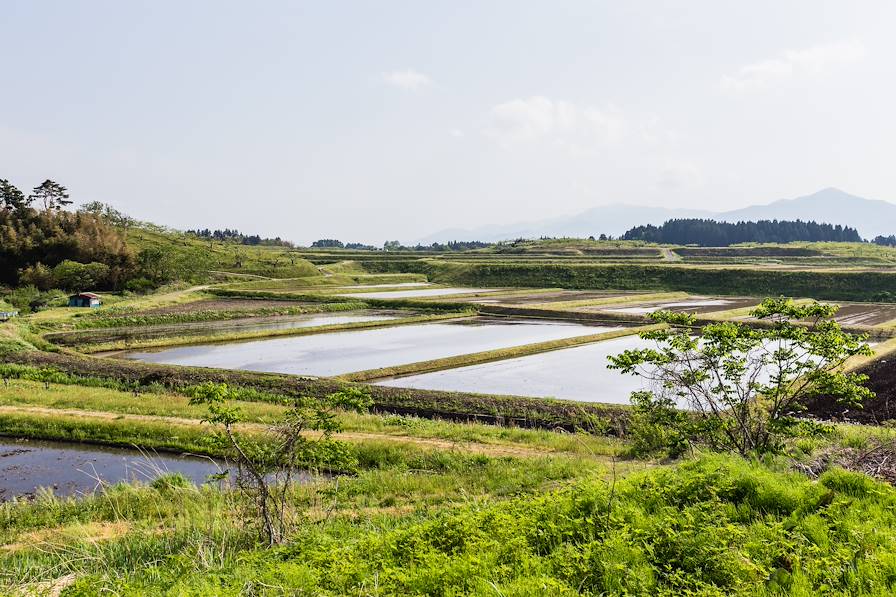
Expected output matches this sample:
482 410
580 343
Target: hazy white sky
375 120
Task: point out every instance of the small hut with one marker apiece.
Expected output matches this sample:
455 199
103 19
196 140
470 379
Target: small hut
84 299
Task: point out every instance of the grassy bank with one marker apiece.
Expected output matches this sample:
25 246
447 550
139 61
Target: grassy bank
715 525
87 343
816 283
134 319
34 398
455 406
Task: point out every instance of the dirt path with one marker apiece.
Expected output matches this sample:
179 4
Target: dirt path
350 436
669 255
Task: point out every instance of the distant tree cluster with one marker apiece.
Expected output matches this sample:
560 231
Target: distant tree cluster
327 243
394 245
454 245
885 241
237 237
710 233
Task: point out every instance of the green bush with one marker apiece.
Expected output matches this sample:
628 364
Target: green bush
714 526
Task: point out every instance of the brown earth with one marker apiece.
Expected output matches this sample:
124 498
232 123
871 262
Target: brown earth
870 314
536 298
730 303
881 380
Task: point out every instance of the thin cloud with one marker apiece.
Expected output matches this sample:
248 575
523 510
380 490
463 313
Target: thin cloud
408 79
813 61
538 117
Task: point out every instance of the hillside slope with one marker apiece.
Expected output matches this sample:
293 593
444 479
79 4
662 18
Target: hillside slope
183 256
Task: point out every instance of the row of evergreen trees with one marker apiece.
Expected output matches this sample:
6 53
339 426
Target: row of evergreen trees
710 233
885 241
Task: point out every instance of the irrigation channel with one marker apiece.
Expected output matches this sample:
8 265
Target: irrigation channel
74 469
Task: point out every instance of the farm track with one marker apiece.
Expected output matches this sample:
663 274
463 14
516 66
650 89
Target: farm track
497 450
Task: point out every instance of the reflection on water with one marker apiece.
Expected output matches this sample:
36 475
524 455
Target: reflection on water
75 469
677 306
344 352
578 373
395 285
398 294
305 322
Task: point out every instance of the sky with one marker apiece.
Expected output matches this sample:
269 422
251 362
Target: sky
368 121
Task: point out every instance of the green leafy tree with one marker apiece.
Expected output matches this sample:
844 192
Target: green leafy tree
265 469
50 194
11 197
744 384
154 264
73 276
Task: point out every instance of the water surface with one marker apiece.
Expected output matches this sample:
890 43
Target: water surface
344 352
78 469
676 306
427 292
578 373
305 322
385 285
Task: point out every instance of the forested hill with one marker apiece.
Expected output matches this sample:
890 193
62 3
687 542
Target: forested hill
710 233
45 248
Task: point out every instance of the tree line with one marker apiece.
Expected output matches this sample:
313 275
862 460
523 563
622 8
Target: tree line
710 233
237 237
44 245
885 241
394 245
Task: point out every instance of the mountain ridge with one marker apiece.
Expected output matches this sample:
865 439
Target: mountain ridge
871 217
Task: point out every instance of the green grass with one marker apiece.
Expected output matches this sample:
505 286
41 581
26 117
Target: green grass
134 341
27 394
125 319
736 279
190 258
715 525
340 279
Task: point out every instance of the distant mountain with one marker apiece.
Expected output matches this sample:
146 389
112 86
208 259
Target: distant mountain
609 219
870 217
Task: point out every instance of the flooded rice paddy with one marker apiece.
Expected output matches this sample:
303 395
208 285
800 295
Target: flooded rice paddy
232 326
865 314
420 293
578 373
345 352
70 469
394 285
696 305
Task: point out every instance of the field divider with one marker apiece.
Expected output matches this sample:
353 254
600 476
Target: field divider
728 314
882 350
123 345
611 300
500 354
497 292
